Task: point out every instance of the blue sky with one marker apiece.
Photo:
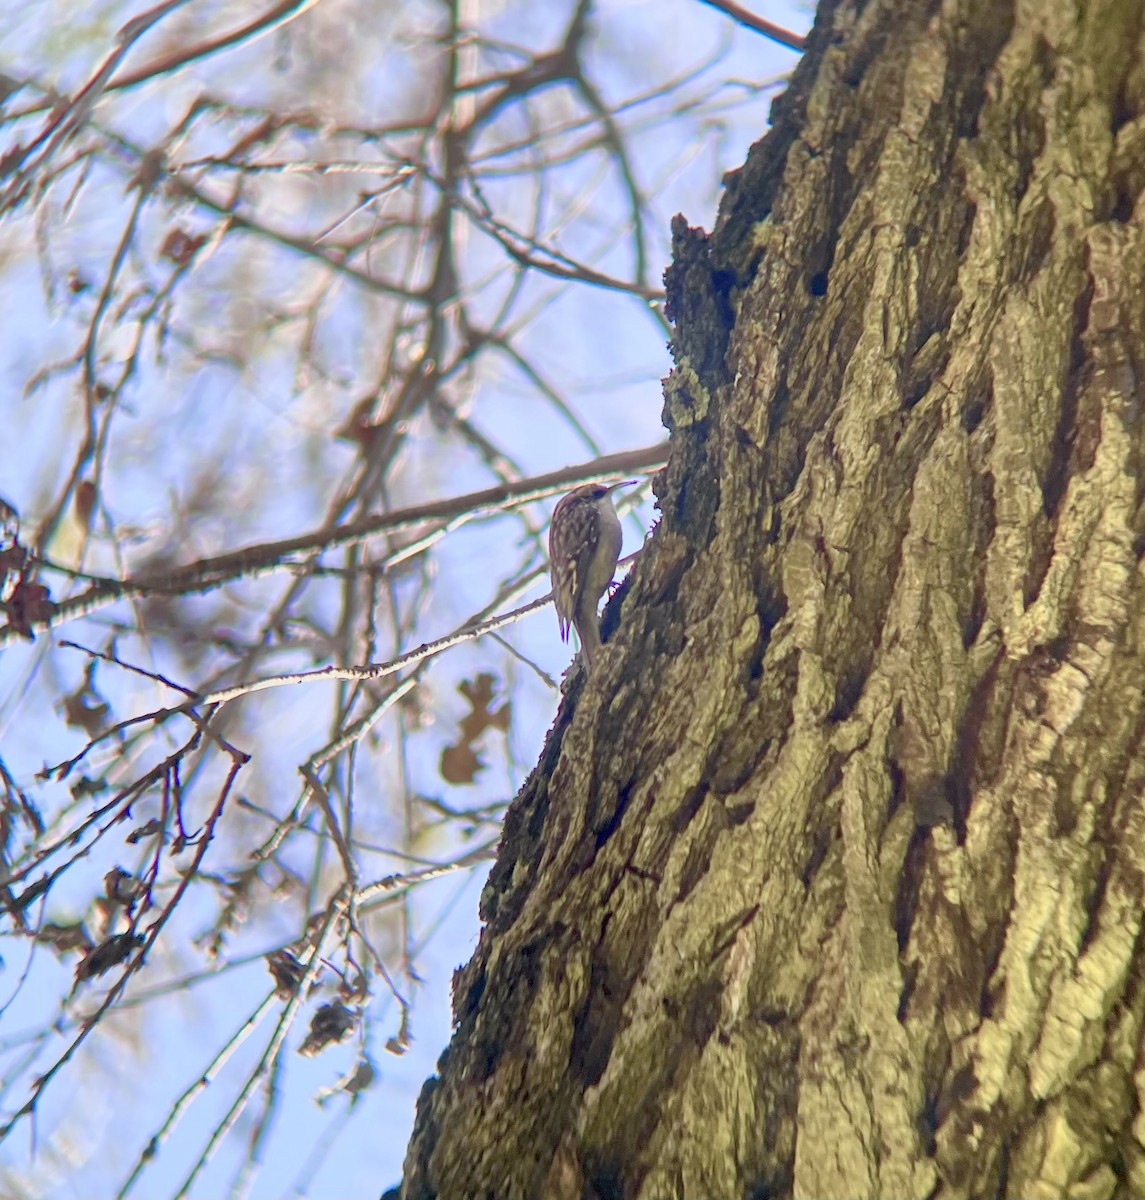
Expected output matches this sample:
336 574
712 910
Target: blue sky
253 421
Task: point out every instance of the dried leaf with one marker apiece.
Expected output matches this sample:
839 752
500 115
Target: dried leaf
332 1023
86 786
180 246
480 693
359 426
28 603
400 1043
63 938
461 762
121 886
86 709
106 955
286 971
358 1079
146 830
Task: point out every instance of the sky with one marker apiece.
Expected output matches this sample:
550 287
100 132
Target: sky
259 406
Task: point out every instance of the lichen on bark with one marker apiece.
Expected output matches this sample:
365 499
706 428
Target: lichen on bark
829 882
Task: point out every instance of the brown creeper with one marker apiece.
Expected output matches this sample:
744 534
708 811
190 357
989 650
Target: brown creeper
584 544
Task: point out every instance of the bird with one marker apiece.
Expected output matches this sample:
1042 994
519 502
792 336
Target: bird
584 545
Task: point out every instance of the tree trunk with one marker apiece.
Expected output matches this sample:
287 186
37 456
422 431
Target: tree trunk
829 881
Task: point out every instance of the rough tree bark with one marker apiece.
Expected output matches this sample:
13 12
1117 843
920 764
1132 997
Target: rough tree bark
830 882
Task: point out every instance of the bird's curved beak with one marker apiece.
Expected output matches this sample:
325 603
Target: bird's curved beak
623 483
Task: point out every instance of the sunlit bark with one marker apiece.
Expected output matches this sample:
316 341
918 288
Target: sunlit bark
830 882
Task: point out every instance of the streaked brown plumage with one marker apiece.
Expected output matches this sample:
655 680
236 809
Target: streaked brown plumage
584 545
